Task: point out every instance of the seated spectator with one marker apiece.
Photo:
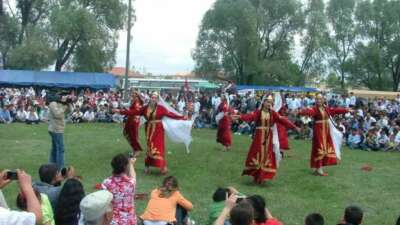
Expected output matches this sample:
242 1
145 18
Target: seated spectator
5 115
96 208
262 215
89 115
218 204
371 140
397 140
122 185
67 209
21 114
163 204
244 128
44 114
314 219
32 116
50 181
383 139
47 210
353 215
77 115
354 139
238 214
34 214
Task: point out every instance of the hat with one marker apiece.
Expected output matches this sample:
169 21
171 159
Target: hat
94 205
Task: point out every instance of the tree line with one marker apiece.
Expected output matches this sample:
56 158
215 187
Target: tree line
79 35
296 42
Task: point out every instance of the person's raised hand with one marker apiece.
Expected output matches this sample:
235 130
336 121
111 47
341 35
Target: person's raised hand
230 201
3 179
24 180
132 161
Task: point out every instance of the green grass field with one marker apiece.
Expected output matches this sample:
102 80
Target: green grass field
293 194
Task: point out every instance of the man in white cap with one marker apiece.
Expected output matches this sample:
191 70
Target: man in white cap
96 208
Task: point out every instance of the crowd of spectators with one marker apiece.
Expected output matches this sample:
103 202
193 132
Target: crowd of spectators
59 198
374 125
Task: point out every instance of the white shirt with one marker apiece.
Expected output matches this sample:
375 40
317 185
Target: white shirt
196 107
180 106
33 116
88 116
353 100
397 138
8 217
21 115
215 101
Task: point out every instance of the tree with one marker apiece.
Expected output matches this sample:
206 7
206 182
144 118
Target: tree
249 40
61 32
377 51
343 36
314 41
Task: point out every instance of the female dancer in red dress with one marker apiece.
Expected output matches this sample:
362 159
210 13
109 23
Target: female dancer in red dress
224 132
262 159
153 113
132 124
323 151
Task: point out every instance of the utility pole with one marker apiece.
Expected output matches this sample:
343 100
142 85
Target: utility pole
128 45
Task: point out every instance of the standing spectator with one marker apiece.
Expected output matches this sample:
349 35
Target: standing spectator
96 209
58 107
353 100
314 219
163 204
67 210
122 185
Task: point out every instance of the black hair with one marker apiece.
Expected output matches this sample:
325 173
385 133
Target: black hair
119 164
241 214
21 202
398 221
258 204
314 219
169 187
353 215
48 172
220 194
67 211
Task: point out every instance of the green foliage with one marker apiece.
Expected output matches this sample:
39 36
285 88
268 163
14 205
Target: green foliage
292 195
249 41
70 31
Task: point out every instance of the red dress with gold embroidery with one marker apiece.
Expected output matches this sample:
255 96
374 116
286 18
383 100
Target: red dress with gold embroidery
224 133
282 132
261 161
155 133
131 128
323 152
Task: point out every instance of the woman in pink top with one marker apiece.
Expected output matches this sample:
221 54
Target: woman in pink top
163 203
122 185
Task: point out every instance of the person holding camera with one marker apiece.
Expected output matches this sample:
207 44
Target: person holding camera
33 214
58 106
122 185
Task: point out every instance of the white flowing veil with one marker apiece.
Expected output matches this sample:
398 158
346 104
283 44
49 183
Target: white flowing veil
178 131
275 134
337 137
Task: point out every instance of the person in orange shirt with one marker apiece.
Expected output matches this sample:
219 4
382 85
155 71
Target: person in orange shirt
162 206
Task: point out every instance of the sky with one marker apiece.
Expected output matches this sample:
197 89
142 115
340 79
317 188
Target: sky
163 35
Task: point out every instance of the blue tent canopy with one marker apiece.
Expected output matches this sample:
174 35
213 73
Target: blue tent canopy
57 79
276 88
